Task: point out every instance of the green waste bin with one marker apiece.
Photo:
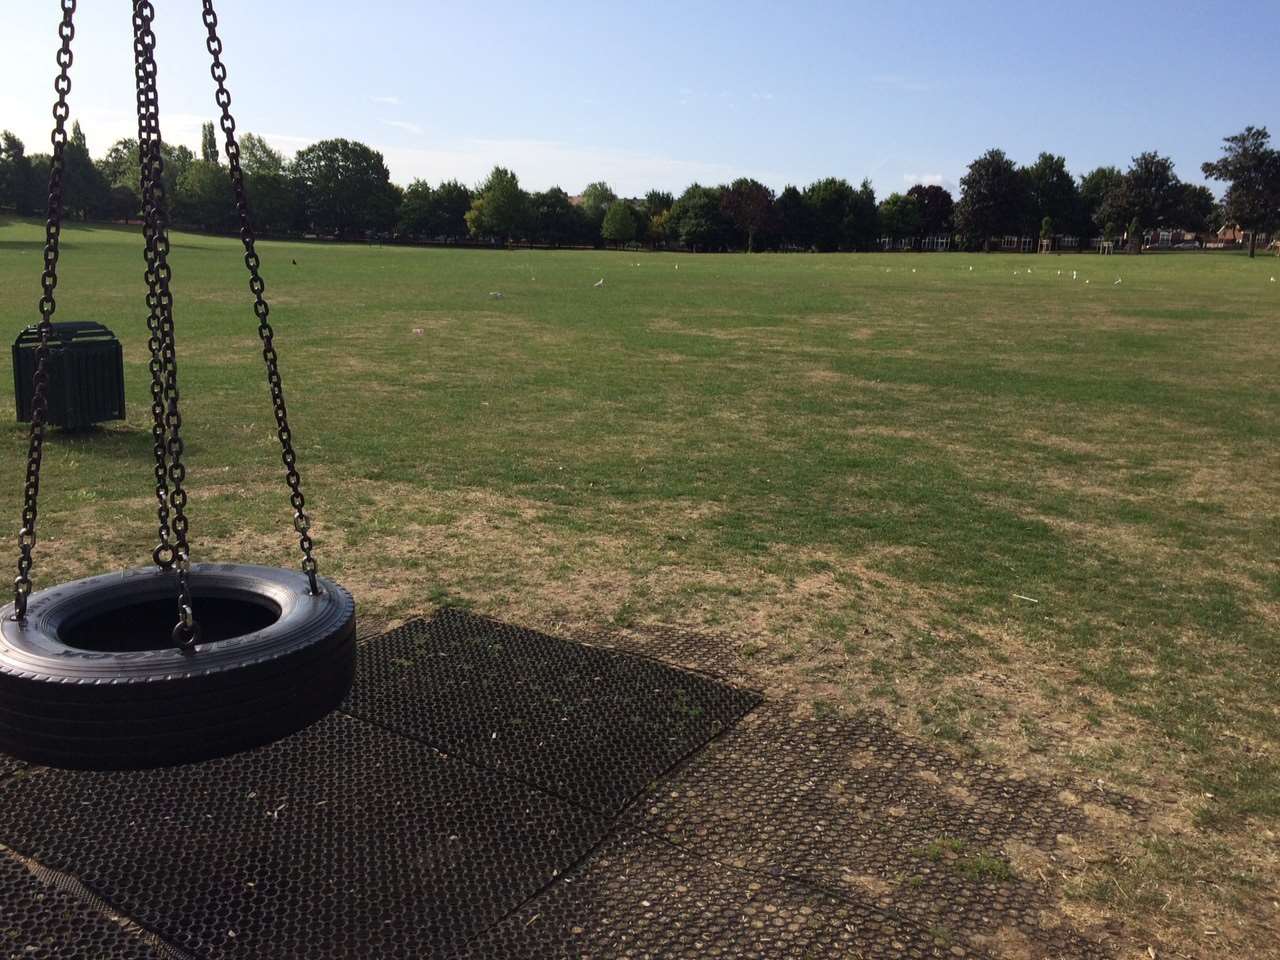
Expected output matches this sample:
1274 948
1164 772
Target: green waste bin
86 374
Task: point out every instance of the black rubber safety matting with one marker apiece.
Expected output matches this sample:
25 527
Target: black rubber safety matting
40 922
592 725
342 841
851 806
639 896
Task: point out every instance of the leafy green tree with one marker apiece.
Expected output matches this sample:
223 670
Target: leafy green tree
1251 167
697 219
862 221
86 194
1053 193
258 156
1196 207
658 201
123 204
1135 235
1152 190
1095 188
208 143
793 223
451 201
828 203
348 189
596 200
499 207
619 225
553 218
993 197
203 198
17 187
658 229
275 202
899 217
416 209
749 206
937 209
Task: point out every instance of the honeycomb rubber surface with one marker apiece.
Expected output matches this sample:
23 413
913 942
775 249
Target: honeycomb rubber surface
592 725
40 922
342 841
474 804
851 807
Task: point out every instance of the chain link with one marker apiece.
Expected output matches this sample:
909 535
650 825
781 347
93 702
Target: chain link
48 282
301 521
148 132
173 551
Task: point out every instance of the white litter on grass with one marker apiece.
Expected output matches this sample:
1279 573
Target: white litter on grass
417 331
1059 273
495 294
1074 276
1273 279
1086 281
1117 283
599 283
913 269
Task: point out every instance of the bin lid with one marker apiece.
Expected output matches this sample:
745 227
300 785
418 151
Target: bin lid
65 333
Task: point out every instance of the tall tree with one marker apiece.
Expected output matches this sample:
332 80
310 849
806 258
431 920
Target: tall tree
553 218
1095 187
1052 193
937 209
258 156
1196 208
16 175
416 209
348 188
499 207
793 223
828 203
596 199
1150 194
749 206
451 201
86 195
992 198
619 225
900 217
697 219
1251 168
203 198
862 219
208 142
658 201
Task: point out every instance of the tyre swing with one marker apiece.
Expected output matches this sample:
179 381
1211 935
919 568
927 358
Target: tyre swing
101 672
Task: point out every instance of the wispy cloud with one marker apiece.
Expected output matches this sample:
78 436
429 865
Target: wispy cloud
406 126
390 100
896 81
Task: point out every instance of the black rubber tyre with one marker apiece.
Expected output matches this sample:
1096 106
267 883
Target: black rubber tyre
118 706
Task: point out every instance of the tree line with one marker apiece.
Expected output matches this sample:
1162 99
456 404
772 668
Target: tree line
342 188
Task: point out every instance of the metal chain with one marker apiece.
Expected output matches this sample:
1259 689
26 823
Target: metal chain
301 522
186 632
148 133
48 281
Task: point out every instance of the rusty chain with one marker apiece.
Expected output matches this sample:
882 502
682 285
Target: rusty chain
301 521
48 282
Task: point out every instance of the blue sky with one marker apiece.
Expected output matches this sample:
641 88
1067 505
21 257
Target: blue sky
661 94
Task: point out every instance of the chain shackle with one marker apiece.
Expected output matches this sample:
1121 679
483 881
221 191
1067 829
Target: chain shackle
48 282
257 286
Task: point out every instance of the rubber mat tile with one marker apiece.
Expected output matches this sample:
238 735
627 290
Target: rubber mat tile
41 922
595 726
639 897
848 804
343 841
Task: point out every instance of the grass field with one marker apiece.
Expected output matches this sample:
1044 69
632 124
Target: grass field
1034 517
